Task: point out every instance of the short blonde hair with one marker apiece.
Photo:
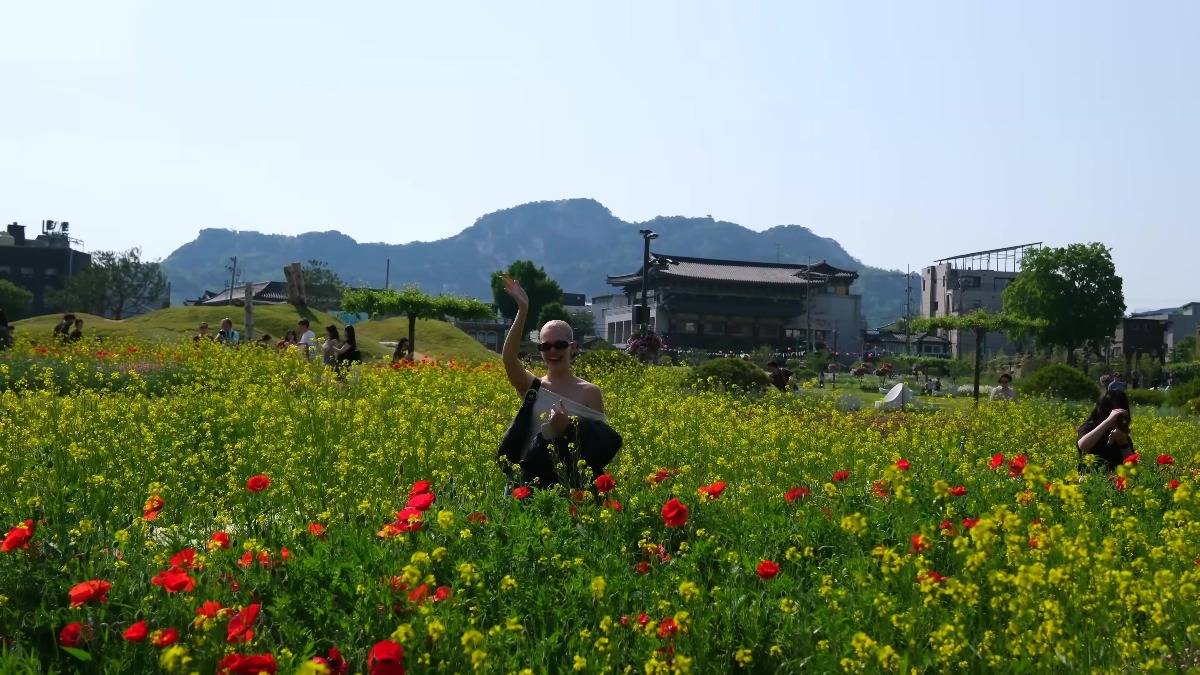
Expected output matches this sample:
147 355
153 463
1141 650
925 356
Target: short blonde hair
559 323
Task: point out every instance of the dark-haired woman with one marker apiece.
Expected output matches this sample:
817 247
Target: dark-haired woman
401 352
1106 433
348 352
333 342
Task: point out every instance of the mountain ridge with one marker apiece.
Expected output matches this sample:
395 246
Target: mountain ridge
579 242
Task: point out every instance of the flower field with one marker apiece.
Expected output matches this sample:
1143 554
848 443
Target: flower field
198 509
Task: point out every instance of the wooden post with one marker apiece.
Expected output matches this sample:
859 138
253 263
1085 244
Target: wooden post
249 301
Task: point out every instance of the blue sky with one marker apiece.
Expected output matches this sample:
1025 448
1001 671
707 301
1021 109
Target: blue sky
907 131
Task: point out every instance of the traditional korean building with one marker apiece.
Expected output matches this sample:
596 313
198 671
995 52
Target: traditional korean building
721 305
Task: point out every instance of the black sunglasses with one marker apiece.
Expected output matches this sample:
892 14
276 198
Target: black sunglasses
557 344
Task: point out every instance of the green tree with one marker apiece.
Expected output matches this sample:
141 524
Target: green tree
116 285
981 323
553 312
1074 291
323 287
582 322
541 289
1184 350
414 304
14 300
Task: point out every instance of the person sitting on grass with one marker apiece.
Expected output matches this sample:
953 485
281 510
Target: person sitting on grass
77 331
561 421
333 342
779 375
202 333
401 353
228 335
62 330
1107 431
347 353
289 340
1004 392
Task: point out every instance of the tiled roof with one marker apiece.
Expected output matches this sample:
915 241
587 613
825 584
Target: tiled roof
263 291
735 271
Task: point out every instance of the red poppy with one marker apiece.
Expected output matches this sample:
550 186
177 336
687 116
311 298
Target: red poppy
968 523
443 593
247 664
165 637
643 567
284 554
174 580
246 560
667 627
663 556
712 491
258 482
419 594
88 591
1165 460
614 504
135 633
840 476
264 559
421 502
1034 543
316 530
674 513
879 489
185 558
477 517
241 626
70 634
605 484
153 505
333 662
218 539
958 490
209 609
902 464
917 544
795 493
1173 484
933 577
419 488
1133 459
767 570
996 460
408 519
1120 483
520 493
659 476
18 537
386 658
1016 466
947 527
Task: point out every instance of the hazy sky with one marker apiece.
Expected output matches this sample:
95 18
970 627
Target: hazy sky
907 131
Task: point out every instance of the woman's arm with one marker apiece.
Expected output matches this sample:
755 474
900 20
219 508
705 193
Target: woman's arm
518 376
1089 440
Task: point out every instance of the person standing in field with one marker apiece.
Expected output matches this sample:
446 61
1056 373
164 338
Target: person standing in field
1107 431
779 375
1004 392
557 407
308 339
76 332
347 352
333 342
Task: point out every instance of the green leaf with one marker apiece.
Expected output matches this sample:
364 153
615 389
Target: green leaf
78 653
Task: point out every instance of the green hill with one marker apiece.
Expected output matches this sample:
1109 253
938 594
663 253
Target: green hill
435 339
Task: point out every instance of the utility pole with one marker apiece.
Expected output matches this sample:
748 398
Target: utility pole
908 310
808 337
387 275
643 317
232 277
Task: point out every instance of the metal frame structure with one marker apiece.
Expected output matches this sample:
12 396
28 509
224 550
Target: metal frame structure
1007 259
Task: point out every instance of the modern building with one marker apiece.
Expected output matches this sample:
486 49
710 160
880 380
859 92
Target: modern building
1139 336
965 283
43 264
1179 322
721 305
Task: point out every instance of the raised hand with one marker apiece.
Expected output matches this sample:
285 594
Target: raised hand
514 290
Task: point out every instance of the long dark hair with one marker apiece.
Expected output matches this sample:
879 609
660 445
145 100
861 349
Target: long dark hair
350 337
1111 400
3 318
332 331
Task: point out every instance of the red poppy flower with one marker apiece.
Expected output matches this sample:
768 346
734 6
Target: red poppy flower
1016 466
767 570
185 558
659 476
879 489
996 460
902 464
264 559
1120 483
246 560
443 593
247 664
840 476
419 594
174 580
421 502
958 491
419 488
241 626
605 484
209 608
333 662
674 513
70 634
795 493
663 556
284 554
667 627
316 530
1165 460
88 591
1133 459
933 577
1034 543
258 482
712 491
643 567
408 519
386 658
477 517
165 637
520 493
613 504
18 537
135 633
968 523
153 505
917 544
1173 484
218 540
947 527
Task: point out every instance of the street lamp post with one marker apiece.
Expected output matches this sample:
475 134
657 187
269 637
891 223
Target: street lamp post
644 310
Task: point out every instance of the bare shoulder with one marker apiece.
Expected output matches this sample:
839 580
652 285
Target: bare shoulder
591 394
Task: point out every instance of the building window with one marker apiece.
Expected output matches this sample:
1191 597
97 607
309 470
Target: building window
50 272
627 329
794 333
933 307
5 269
611 335
1000 283
968 282
843 290
714 327
740 329
26 271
